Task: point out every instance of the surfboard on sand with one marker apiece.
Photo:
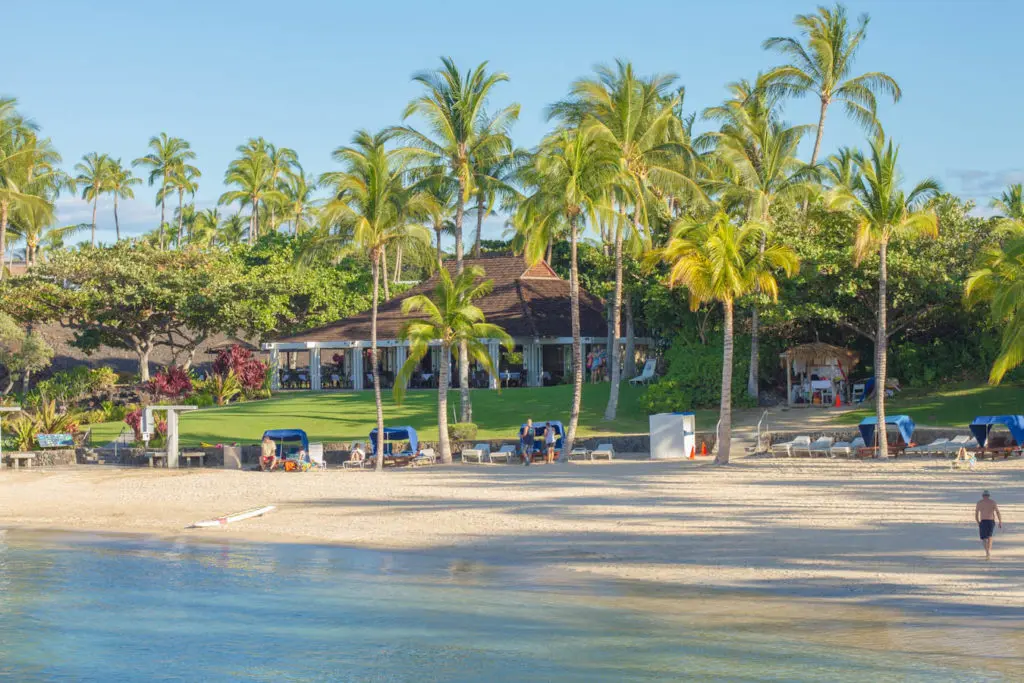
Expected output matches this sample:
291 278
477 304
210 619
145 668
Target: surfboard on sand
228 519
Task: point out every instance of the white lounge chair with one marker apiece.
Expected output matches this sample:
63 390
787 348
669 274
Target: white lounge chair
802 449
580 454
803 442
504 453
426 457
844 449
648 372
936 446
955 444
821 446
603 450
475 454
316 456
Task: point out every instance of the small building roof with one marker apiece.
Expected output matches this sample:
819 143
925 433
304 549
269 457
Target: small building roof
526 301
820 353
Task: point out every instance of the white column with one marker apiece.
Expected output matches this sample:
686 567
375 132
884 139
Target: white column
172 439
275 368
315 381
357 368
540 364
493 349
401 354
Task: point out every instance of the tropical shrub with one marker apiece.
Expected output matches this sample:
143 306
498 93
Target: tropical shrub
693 376
249 370
49 420
224 388
102 380
67 387
113 412
171 382
22 432
91 417
462 431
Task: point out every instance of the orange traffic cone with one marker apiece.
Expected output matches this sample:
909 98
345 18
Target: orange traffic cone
838 402
693 452
703 448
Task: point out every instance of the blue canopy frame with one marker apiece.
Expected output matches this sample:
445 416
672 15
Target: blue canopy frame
394 434
903 423
283 436
981 426
538 433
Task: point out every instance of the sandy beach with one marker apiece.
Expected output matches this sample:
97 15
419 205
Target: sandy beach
897 533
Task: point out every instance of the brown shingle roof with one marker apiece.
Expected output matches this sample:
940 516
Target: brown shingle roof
526 301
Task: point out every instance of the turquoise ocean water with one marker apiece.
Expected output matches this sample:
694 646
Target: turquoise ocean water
88 608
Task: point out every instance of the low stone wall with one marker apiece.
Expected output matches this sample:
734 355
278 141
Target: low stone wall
51 457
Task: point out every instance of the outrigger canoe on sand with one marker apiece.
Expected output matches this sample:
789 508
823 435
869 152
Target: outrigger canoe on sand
228 519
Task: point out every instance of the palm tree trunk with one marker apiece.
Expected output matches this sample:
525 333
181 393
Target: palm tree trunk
577 343
181 218
440 261
754 372
3 234
629 366
443 447
614 356
94 200
551 246
821 130
880 353
465 406
254 221
724 436
163 214
384 273
479 226
375 260
117 224
398 263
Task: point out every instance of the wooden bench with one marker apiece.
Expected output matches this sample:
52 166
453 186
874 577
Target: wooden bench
14 459
155 457
191 455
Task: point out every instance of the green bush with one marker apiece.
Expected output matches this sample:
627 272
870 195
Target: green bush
91 417
693 377
462 431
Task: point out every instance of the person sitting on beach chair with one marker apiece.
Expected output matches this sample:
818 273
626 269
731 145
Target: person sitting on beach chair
963 459
268 454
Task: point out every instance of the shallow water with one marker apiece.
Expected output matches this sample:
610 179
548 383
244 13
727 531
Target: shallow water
88 608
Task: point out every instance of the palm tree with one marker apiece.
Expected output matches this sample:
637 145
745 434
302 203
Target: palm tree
251 173
824 66
168 153
636 117
573 173
29 177
299 189
206 224
451 317
717 260
841 168
282 162
757 156
371 203
459 131
232 230
1010 206
94 177
999 282
119 184
184 178
883 213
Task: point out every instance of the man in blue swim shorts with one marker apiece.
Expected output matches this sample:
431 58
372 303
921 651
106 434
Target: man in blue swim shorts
986 514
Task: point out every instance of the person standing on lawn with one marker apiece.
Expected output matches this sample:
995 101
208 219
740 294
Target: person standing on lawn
526 441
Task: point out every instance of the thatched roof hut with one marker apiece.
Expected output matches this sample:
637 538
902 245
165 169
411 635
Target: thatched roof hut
822 362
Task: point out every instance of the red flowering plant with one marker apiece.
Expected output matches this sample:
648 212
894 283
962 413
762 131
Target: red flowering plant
248 369
171 382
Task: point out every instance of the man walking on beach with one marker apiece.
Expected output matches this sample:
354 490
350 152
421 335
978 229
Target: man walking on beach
986 513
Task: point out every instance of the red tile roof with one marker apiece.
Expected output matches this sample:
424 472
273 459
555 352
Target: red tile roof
527 301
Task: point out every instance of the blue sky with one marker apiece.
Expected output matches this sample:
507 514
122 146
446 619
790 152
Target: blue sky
106 76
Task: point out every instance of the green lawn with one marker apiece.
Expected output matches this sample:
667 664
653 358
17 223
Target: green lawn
952 407
351 416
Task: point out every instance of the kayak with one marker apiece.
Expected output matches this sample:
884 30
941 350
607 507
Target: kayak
228 519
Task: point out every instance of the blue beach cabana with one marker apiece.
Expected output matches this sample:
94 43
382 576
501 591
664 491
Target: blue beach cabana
288 441
904 427
393 435
982 426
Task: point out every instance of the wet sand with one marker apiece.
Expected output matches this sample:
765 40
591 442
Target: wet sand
896 533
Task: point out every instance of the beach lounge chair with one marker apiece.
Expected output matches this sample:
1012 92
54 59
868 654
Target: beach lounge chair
425 457
475 454
603 450
580 454
648 372
932 448
316 456
357 461
786 448
844 449
506 452
821 446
